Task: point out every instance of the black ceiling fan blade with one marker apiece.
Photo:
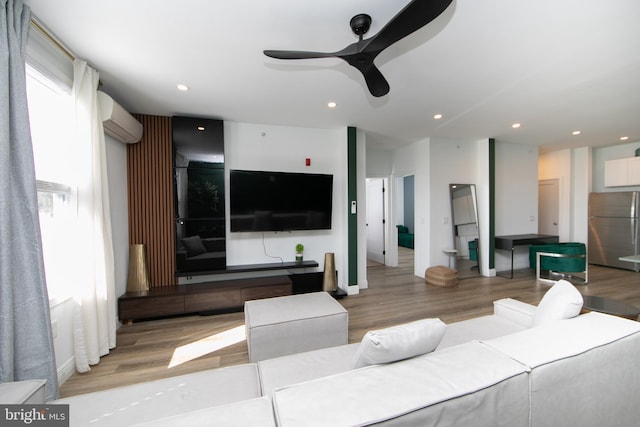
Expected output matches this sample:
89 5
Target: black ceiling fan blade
377 84
295 54
414 16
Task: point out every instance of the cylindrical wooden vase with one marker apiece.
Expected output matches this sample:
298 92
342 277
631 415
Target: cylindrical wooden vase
329 280
138 279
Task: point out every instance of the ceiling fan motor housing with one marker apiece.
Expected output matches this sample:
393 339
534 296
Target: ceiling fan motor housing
360 24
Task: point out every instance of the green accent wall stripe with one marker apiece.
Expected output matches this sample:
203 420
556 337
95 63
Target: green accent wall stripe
352 196
492 203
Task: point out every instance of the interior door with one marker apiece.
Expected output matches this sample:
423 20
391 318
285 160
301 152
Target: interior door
548 207
375 220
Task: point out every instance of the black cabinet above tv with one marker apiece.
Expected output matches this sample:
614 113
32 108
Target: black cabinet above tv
199 205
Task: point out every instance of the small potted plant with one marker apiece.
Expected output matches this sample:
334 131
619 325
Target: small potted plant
299 251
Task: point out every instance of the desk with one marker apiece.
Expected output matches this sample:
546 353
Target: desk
510 242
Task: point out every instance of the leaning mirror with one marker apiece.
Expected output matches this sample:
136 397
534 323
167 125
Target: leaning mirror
464 220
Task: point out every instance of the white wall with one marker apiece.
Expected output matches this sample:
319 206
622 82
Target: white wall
379 163
581 179
117 175
283 148
422 198
361 190
516 199
452 162
483 197
572 168
458 162
414 160
557 165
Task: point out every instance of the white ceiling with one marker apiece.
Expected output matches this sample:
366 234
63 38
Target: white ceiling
554 66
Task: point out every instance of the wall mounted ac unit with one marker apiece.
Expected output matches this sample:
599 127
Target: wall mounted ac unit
117 121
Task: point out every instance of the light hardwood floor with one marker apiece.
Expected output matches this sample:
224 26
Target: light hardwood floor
146 349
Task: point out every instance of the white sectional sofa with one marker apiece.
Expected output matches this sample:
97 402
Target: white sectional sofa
522 366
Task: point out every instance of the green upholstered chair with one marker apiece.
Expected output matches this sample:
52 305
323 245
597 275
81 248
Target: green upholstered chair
559 258
405 239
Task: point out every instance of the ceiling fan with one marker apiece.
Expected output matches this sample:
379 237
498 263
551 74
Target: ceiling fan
361 54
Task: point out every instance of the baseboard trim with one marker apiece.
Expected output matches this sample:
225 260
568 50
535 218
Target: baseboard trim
66 370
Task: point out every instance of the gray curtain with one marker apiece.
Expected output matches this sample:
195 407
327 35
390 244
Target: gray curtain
26 343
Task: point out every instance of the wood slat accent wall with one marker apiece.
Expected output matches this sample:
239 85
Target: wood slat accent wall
150 197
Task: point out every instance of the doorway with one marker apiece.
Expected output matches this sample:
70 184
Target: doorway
385 210
404 215
376 218
548 207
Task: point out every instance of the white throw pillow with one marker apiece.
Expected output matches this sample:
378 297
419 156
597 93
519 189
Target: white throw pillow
562 301
399 342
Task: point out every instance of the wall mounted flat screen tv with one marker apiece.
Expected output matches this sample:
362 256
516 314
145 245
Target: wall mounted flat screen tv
279 201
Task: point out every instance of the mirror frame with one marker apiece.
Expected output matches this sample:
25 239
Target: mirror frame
472 190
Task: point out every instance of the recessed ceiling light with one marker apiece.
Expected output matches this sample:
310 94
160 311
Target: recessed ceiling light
576 132
200 128
182 87
437 116
624 138
332 105
515 125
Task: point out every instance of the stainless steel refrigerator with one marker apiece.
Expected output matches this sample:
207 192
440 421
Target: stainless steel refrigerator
613 228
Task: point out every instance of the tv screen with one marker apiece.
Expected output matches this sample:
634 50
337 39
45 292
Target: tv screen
279 201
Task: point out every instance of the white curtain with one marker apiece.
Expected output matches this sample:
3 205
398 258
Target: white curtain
94 320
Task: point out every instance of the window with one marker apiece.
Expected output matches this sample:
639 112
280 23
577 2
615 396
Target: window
56 224
52 119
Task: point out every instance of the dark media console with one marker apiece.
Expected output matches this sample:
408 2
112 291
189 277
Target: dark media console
218 296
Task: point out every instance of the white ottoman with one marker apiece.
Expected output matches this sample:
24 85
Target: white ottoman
293 324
